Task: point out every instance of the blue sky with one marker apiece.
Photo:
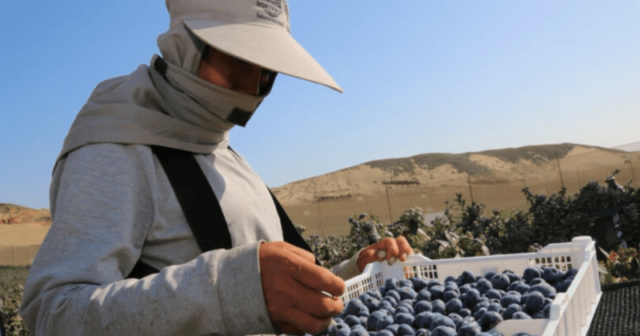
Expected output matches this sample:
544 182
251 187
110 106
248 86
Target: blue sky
419 77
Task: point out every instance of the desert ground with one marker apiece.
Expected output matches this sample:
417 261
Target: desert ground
19 243
22 230
21 226
22 234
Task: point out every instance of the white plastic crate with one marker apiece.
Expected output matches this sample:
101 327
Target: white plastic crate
571 312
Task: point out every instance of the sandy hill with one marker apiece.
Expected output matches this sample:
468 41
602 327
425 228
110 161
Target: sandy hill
630 147
16 214
529 163
21 226
497 177
498 166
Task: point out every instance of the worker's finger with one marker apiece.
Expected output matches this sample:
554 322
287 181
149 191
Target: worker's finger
307 323
367 256
286 328
380 249
293 320
293 295
392 250
315 303
304 254
319 279
404 248
284 261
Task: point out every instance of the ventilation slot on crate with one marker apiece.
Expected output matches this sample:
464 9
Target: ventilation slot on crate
379 281
424 271
561 262
363 286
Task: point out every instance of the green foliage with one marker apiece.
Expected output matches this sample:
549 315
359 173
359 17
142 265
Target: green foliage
465 230
440 239
11 287
558 218
14 325
332 250
435 240
503 232
622 265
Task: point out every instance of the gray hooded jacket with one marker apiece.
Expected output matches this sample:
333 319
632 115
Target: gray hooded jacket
112 204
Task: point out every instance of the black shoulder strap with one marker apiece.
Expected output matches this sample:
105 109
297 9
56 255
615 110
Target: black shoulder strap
202 209
141 270
197 200
289 232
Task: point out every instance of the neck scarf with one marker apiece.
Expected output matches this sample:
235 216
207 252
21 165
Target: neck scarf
166 105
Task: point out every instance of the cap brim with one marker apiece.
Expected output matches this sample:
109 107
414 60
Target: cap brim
271 48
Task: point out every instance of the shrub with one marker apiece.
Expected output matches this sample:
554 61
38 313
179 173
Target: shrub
621 265
559 217
437 240
466 231
11 288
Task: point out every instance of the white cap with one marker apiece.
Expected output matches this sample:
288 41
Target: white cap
256 31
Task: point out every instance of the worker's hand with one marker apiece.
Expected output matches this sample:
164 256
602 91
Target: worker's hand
292 285
388 249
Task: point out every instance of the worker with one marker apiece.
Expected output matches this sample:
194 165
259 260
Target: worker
115 206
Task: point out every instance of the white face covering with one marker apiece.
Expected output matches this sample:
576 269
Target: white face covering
165 105
183 52
226 106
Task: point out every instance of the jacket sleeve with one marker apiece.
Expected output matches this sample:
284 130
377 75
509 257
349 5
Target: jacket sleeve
102 206
347 269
